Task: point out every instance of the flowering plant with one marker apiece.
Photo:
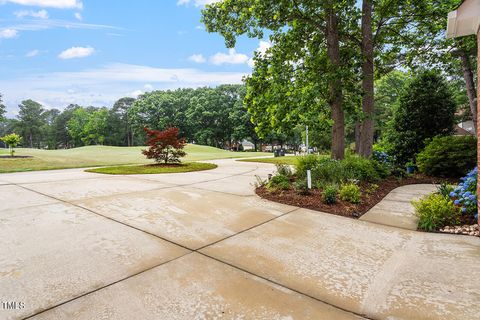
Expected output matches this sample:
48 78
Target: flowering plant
465 194
382 157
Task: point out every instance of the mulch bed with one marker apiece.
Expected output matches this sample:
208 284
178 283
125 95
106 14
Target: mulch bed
15 157
342 208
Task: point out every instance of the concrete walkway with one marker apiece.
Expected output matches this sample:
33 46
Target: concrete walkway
78 245
396 209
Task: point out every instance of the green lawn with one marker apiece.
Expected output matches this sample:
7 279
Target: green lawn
291 160
155 168
94 156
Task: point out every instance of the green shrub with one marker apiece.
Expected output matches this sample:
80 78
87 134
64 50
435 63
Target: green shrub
451 156
383 169
284 170
279 182
426 109
329 171
445 189
435 211
362 169
350 192
301 187
306 163
329 194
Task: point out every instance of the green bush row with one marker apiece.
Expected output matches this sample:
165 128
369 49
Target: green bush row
327 171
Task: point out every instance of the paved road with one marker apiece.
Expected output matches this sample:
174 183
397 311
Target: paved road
78 245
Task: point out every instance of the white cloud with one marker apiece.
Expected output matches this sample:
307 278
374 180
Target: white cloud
197 3
59 4
263 46
197 58
148 87
41 14
231 58
136 93
32 53
8 33
103 86
76 52
78 16
45 24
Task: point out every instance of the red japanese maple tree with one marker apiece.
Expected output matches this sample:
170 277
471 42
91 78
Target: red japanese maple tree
164 146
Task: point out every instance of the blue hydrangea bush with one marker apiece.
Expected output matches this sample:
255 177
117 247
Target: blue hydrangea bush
382 157
465 194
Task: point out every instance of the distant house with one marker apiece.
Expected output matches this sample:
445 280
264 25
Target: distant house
247 145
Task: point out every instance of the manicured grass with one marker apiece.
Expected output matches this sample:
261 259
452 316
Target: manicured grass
155 168
291 160
96 156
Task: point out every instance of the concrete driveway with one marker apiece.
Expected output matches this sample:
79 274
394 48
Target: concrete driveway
76 245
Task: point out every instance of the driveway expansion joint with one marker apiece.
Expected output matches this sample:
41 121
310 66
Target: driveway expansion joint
190 250
377 291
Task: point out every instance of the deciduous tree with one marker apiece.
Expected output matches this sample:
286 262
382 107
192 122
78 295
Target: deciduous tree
164 146
11 140
307 58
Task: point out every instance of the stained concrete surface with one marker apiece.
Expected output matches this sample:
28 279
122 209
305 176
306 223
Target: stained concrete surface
90 246
53 253
396 208
382 272
189 216
195 287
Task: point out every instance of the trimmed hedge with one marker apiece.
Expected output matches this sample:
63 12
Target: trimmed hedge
450 156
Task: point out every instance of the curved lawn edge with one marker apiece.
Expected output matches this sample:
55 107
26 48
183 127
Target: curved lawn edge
155 168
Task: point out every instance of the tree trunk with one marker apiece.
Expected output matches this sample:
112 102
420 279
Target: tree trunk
30 138
367 126
470 83
335 87
358 128
478 119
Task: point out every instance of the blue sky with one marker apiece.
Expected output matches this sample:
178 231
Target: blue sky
92 52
